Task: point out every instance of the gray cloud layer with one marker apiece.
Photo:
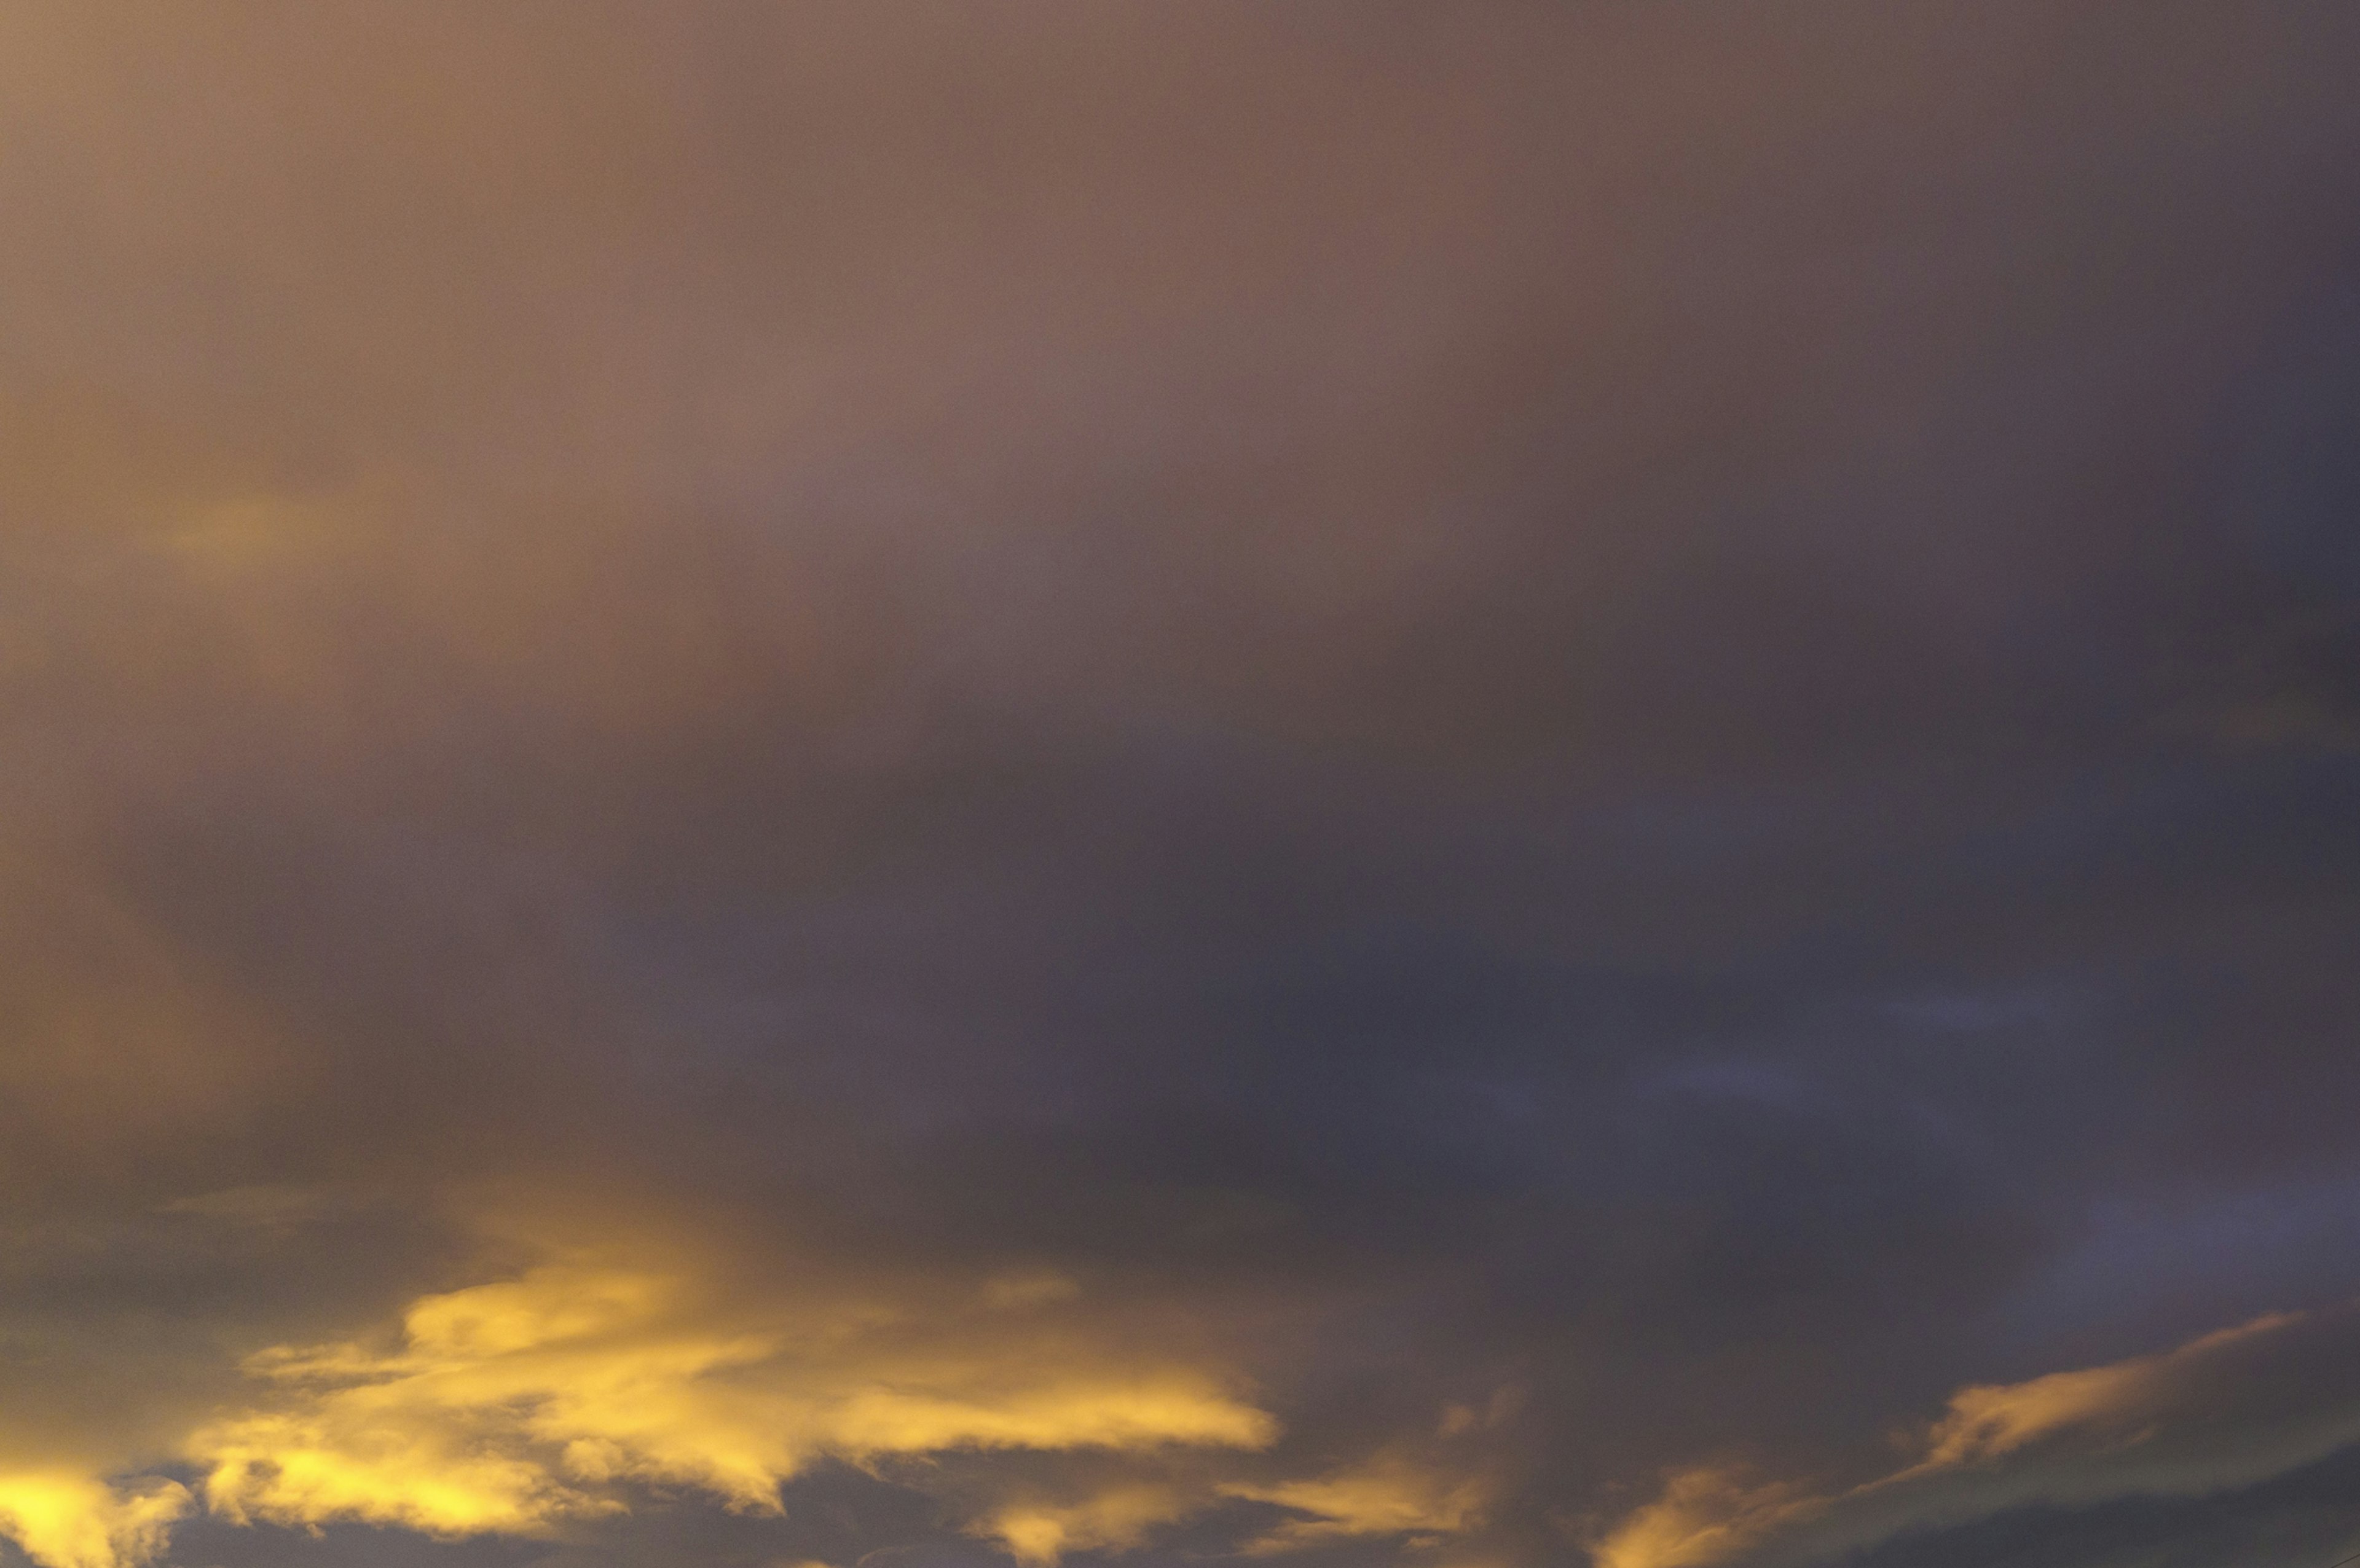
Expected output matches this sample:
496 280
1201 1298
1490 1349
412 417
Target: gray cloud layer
1555 744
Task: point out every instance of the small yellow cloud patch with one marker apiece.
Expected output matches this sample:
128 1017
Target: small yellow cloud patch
1390 1494
63 1519
1039 1534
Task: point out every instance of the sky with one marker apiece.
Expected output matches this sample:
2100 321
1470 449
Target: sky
1340 785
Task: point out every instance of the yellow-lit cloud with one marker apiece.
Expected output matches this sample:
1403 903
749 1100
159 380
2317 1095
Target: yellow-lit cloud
66 1519
1391 1493
1986 1422
1038 1534
2225 1409
509 1406
1703 1516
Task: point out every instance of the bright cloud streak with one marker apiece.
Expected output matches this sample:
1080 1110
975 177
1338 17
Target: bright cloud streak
1391 1493
510 1406
2225 1409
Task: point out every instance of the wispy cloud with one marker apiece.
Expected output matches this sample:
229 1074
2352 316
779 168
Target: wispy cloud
2224 1411
509 1407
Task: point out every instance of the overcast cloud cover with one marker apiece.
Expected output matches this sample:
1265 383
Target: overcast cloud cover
1334 783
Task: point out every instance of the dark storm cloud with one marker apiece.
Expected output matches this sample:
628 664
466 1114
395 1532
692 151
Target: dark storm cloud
1359 782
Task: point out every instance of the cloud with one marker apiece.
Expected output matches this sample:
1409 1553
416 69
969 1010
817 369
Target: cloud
62 1519
1039 1533
509 1407
2225 1411
1986 1423
1703 1516
1392 1494
1228 722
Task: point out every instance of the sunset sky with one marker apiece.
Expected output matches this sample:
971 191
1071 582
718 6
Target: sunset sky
1329 784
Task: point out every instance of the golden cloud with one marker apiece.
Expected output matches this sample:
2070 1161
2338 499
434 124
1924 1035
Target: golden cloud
507 1406
1986 1422
2225 1409
1703 1516
68 1519
1392 1494
1040 1534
